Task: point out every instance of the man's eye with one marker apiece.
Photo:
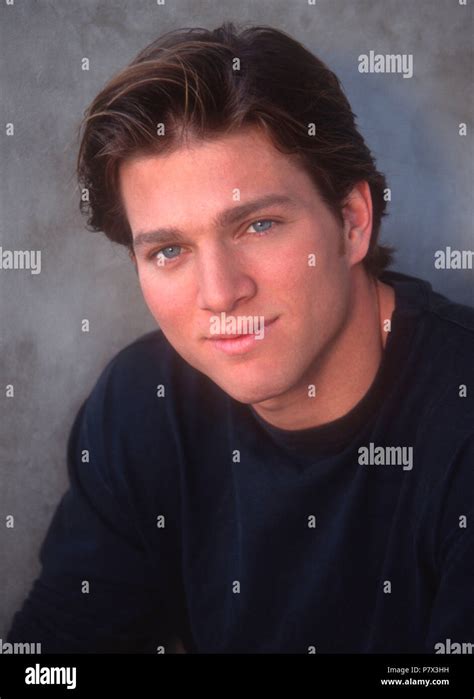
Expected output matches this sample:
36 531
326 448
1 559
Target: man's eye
171 252
262 226
168 253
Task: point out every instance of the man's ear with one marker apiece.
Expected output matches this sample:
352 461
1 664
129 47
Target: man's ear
357 214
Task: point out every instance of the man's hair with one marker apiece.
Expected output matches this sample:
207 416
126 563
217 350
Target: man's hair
205 84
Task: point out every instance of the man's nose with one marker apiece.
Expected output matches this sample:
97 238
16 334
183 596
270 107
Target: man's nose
222 283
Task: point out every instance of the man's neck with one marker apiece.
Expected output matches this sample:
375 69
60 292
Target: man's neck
345 374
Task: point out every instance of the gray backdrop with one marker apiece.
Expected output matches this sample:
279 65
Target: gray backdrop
412 125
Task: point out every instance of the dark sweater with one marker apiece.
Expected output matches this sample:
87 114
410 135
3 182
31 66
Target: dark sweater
194 518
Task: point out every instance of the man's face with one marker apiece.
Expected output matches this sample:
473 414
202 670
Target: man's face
280 261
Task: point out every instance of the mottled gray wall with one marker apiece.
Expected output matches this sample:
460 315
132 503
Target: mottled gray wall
411 124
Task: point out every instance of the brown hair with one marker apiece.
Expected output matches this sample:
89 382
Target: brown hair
208 83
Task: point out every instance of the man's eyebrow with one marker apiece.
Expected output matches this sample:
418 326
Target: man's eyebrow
223 219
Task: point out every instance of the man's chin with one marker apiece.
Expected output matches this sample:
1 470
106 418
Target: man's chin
251 392
250 383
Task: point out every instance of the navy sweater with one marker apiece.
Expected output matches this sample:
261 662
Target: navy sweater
189 516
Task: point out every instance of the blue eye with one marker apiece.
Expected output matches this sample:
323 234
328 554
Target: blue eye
168 252
263 225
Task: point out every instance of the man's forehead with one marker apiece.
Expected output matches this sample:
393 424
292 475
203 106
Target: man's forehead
245 146
218 196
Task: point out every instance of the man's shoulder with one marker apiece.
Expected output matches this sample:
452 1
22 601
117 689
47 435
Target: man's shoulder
456 317
433 408
437 337
445 322
443 375
150 355
452 335
146 370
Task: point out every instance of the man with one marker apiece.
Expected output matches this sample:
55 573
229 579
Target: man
286 465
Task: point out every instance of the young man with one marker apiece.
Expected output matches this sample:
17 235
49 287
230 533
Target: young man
286 464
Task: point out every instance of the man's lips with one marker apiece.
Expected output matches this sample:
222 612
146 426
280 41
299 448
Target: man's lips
230 336
239 344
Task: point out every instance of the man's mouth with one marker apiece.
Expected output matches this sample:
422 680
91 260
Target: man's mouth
232 344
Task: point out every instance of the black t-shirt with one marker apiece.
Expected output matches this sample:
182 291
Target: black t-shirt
189 516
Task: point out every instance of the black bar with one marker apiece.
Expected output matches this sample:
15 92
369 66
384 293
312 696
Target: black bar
311 675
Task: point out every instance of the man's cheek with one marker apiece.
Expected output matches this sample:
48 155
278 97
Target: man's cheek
153 296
